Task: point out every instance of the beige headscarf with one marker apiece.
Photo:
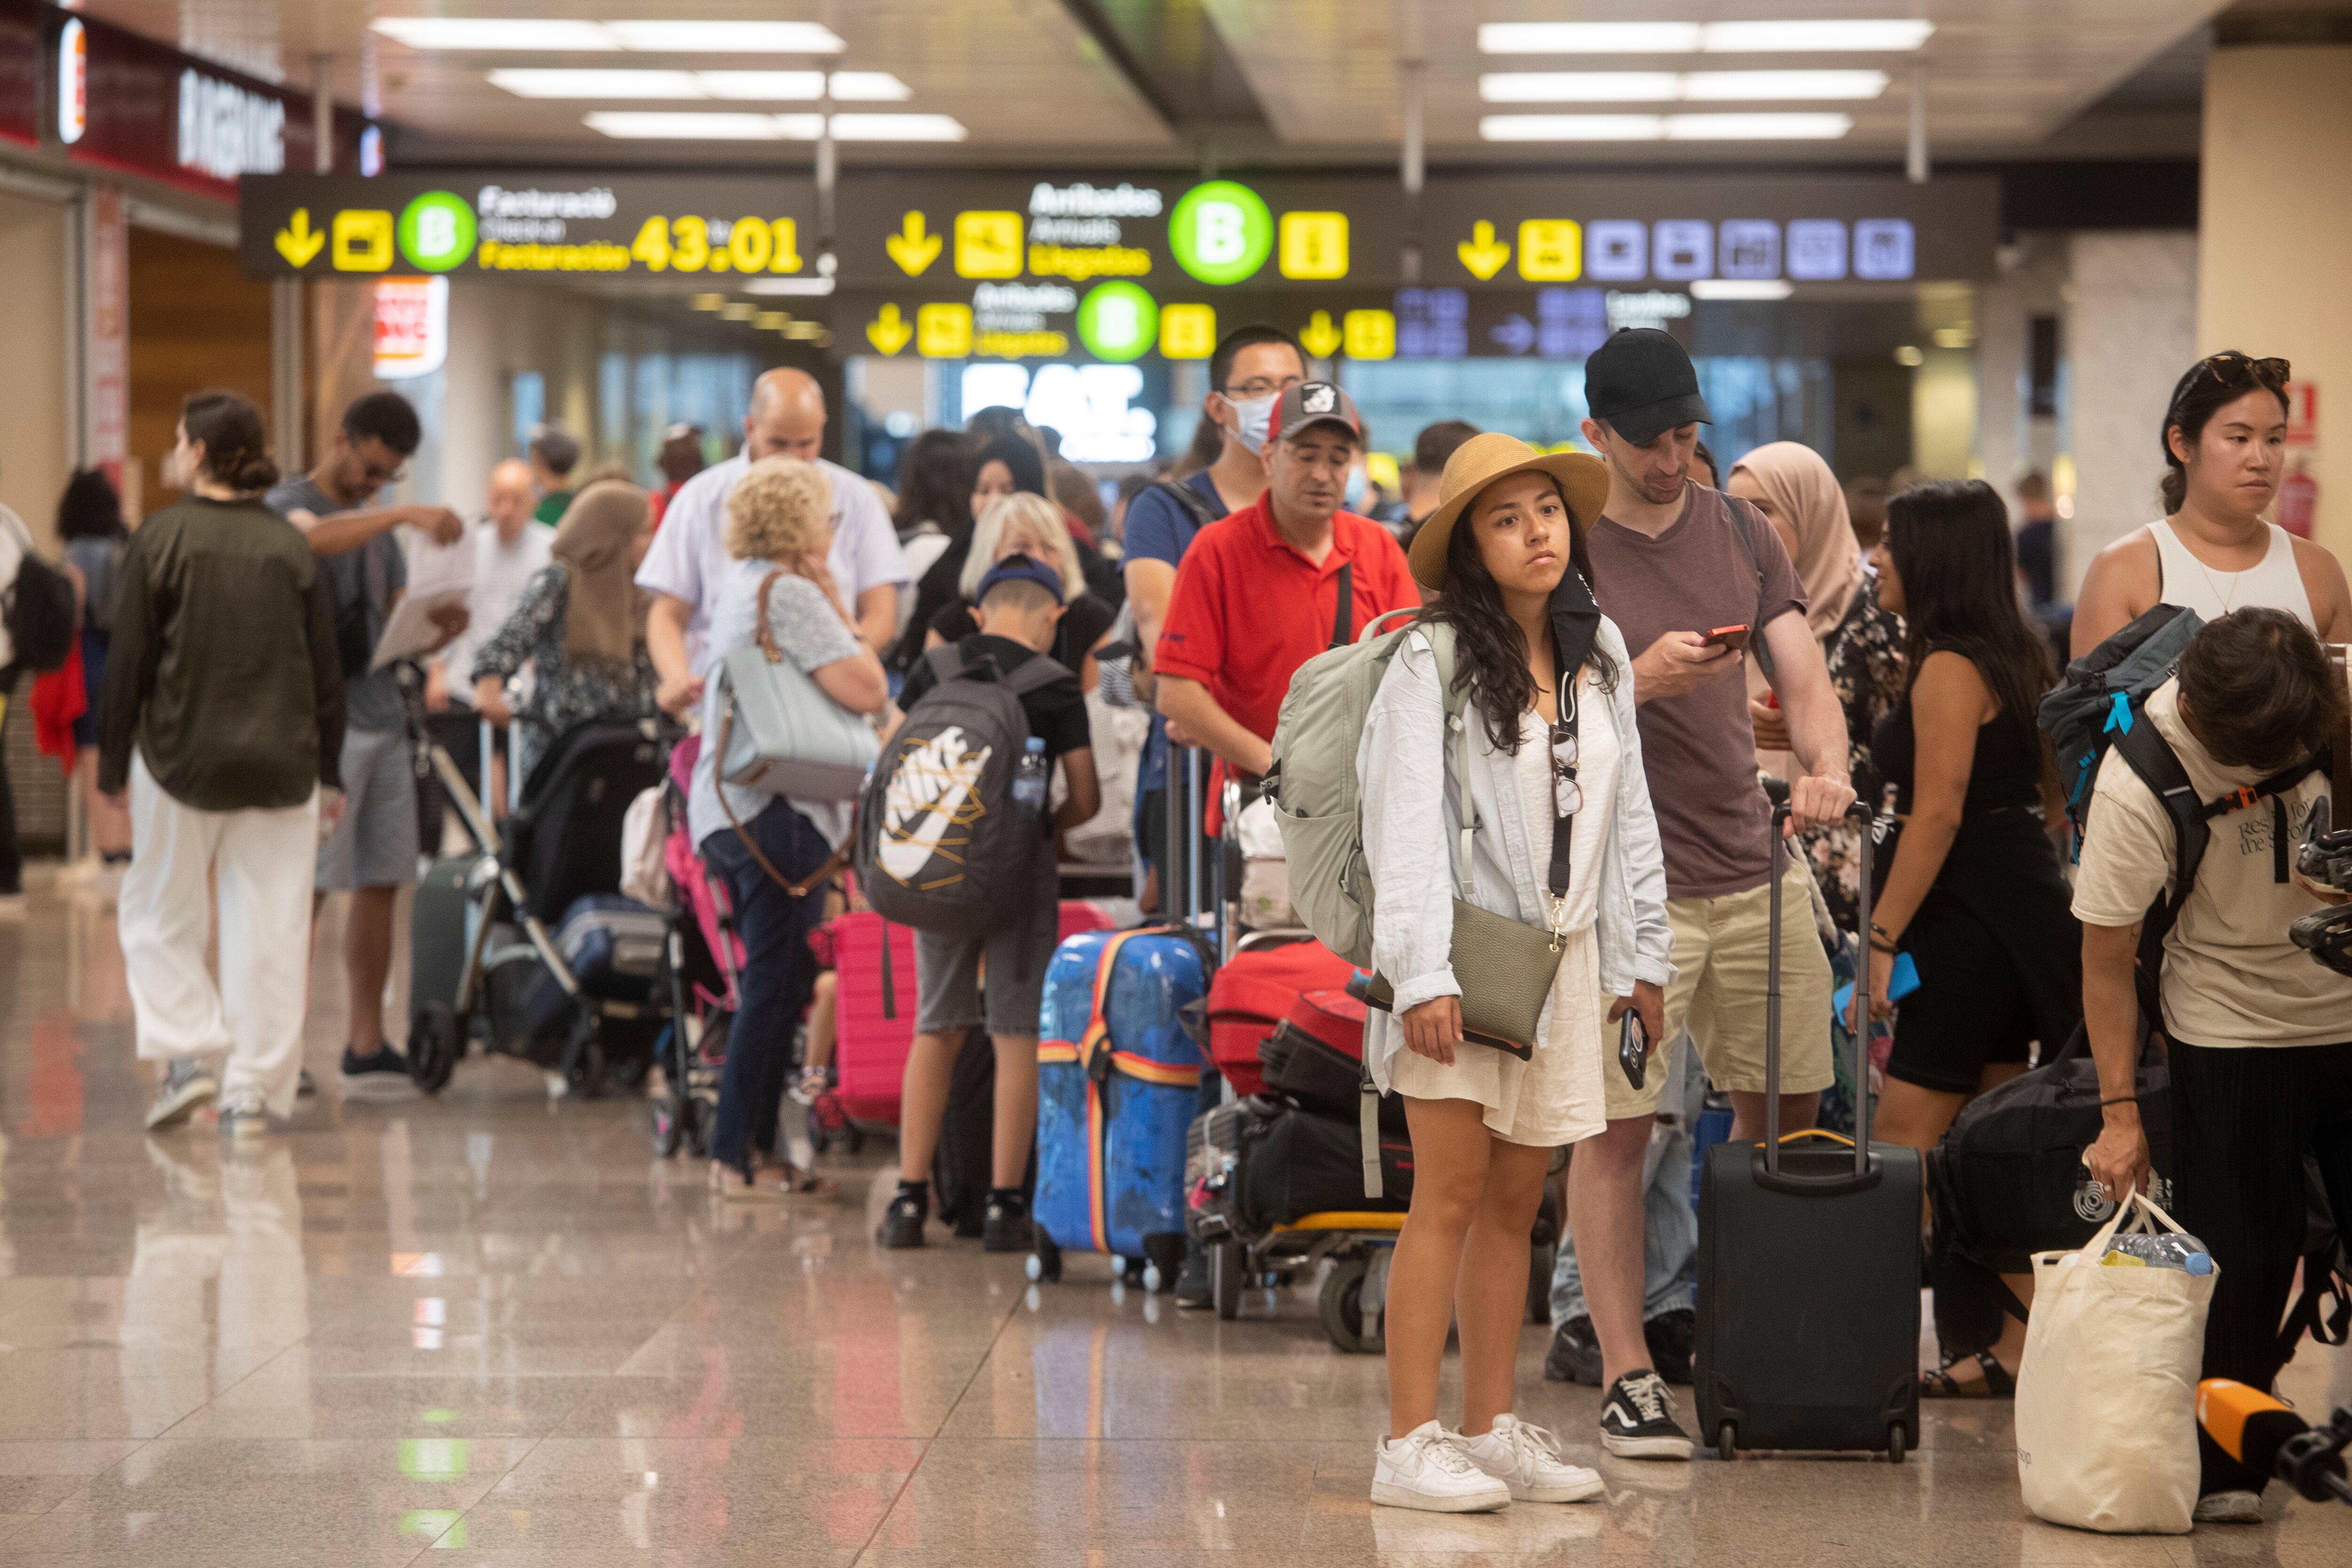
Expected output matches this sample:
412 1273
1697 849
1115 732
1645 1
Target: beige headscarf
606 617
1808 495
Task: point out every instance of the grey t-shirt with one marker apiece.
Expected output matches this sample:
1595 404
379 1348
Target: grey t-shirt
363 583
811 635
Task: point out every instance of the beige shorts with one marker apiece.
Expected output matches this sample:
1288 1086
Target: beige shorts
1720 961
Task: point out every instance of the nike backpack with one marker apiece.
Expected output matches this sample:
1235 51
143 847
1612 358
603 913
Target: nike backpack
939 846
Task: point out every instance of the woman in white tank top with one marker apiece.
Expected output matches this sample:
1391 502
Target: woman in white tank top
2224 440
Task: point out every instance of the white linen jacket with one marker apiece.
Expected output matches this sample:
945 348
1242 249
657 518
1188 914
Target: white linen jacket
1405 764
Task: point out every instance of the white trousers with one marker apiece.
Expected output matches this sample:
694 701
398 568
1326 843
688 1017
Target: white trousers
263 861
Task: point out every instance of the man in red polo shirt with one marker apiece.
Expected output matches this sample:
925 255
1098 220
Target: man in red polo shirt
1259 592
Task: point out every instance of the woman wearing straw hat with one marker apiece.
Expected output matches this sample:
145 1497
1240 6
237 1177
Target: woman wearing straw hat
1564 842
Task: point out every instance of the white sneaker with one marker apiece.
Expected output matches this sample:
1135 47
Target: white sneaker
1527 1459
242 1115
1427 1468
2239 1506
187 1083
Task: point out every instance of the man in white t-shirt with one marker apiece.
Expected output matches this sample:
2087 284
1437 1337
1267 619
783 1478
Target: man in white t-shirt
688 559
2259 1033
509 548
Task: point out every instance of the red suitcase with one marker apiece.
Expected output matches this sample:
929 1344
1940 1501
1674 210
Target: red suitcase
1254 991
870 1055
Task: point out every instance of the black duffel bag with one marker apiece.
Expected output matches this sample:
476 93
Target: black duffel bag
1261 1162
2007 1180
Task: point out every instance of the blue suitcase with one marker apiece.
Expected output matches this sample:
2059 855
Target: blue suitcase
1117 1086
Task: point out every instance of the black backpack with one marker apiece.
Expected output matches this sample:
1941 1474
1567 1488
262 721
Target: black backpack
40 611
939 846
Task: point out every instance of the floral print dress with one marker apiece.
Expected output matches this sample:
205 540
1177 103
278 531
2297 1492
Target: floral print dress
563 691
1866 663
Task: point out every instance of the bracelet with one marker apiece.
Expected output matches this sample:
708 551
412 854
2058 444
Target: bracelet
2120 1100
1879 944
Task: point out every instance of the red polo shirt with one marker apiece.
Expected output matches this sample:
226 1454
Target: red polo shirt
1249 609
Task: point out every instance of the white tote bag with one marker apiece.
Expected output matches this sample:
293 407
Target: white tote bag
2106 1396
645 849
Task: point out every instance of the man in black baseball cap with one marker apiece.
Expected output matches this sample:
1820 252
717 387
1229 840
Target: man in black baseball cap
1692 576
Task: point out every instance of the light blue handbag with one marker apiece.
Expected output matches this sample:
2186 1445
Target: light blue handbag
781 734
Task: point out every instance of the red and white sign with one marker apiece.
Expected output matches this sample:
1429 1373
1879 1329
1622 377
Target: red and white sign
412 327
108 390
2303 414
73 81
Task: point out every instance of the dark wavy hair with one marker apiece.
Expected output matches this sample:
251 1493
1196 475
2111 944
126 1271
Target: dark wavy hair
2258 690
935 481
1490 654
89 508
236 449
1951 545
2210 385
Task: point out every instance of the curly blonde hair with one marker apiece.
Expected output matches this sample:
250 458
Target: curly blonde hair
779 508
1037 525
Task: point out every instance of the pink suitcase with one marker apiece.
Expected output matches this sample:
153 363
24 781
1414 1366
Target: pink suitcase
870 1053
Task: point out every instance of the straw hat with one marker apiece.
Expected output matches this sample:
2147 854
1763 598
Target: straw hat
1479 462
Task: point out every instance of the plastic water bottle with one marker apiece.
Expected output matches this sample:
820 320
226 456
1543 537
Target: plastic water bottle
2181 1251
1029 780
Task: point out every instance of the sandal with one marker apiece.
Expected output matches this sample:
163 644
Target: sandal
790 1181
1995 1384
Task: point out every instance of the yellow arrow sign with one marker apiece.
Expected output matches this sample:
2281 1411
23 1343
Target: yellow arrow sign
297 242
1481 253
910 247
1321 337
889 331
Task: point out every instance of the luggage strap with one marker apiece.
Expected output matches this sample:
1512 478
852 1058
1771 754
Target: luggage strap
2310 1313
1367 1129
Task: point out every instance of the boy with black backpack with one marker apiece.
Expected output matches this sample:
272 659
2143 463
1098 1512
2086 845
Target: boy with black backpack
955 840
2259 1034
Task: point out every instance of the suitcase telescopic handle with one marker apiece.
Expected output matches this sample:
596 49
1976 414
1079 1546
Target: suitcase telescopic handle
1768 1170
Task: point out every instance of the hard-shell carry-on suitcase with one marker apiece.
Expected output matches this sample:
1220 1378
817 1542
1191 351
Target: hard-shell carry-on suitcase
440 928
1252 990
1809 1270
1118 1080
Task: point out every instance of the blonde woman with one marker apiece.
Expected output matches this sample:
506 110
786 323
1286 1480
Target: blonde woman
780 526
1025 524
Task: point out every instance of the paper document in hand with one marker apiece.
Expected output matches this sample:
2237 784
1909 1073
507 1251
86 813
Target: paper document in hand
411 630
436 568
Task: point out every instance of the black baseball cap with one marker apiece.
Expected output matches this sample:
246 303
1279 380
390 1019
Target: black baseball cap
1315 403
1640 382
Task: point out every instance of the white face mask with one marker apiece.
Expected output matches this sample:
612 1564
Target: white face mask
1359 480
1254 419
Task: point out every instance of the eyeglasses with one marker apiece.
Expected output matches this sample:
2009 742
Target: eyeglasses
1259 387
2230 368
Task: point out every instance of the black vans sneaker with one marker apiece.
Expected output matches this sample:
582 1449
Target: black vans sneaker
1004 1227
1672 1337
1575 1355
1637 1419
902 1222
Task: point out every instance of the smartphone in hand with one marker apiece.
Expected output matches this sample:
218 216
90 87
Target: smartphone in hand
1732 638
1632 1047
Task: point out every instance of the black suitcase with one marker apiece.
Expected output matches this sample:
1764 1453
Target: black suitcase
436 930
1809 1270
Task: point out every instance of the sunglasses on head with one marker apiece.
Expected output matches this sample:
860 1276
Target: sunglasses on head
2233 369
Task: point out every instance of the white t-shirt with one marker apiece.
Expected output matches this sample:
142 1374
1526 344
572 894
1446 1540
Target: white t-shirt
688 560
2231 978
500 570
14 539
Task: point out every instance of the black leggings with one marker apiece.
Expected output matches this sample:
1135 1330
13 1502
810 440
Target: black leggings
2243 1119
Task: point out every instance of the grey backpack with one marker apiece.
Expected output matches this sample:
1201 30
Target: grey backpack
939 846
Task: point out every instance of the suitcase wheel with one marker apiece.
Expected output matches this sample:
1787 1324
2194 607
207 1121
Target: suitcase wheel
1163 1260
1895 1442
1341 1306
434 1046
1226 1278
583 1058
1727 1442
1045 1266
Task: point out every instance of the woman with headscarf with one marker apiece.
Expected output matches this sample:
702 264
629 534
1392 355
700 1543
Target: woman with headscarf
1007 465
579 623
1862 643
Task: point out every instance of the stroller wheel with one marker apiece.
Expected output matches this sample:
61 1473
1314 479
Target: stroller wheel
584 1060
434 1045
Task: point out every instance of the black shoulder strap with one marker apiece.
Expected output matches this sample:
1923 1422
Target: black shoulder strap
1343 619
1035 673
947 661
2152 758
1191 500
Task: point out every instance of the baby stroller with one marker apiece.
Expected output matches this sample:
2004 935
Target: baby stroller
706 953
529 947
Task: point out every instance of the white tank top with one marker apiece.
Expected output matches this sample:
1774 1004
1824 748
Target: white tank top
2272 582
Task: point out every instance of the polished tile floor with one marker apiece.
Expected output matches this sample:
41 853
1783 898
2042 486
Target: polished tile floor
494 1328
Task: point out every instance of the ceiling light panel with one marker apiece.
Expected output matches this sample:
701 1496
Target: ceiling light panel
656 125
1571 126
897 128
1665 126
491 33
1588 37
530 81
726 37
869 87
1665 86
769 87
1815 37
1876 36
1758 127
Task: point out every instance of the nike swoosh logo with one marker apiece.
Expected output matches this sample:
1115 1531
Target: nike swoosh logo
929 795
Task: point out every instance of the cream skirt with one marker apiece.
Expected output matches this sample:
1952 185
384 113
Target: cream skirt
1553 1098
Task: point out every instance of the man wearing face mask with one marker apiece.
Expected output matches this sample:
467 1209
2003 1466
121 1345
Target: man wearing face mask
1275 583
1250 369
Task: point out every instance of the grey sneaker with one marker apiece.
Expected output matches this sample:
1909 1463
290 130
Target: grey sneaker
242 1116
188 1082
